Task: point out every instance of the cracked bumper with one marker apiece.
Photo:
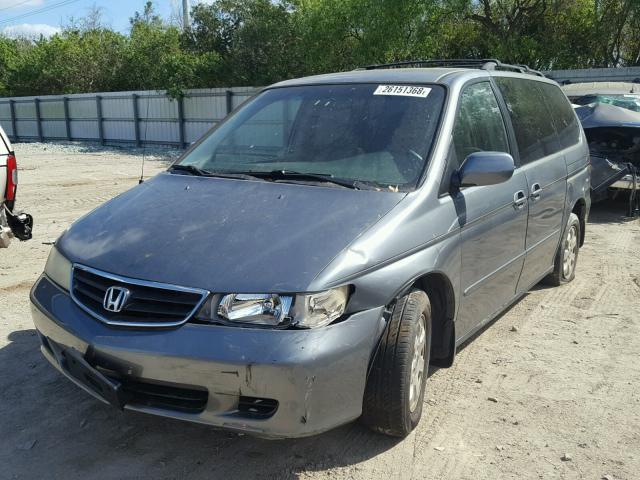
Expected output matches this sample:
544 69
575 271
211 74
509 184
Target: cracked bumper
317 376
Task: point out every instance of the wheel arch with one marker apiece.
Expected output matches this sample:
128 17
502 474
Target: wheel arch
441 293
580 209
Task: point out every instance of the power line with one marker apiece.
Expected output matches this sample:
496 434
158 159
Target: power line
15 5
35 12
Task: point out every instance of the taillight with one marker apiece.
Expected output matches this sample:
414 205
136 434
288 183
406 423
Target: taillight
12 178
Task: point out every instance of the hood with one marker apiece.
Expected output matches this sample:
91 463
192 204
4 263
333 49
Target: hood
224 235
604 115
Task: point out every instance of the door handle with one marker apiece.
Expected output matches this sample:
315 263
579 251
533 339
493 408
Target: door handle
536 189
519 199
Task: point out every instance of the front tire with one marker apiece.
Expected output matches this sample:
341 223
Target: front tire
564 269
395 389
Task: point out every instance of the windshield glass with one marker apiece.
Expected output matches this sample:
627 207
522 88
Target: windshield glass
380 135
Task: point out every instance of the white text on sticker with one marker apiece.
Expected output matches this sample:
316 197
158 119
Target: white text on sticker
402 90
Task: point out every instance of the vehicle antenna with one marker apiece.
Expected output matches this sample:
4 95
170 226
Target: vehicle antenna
144 144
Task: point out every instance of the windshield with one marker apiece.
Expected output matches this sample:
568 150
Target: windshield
380 135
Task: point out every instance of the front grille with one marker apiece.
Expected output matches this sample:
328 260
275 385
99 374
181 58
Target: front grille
148 304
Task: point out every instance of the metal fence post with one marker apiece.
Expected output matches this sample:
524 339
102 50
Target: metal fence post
181 121
136 118
229 95
36 102
12 110
67 120
99 115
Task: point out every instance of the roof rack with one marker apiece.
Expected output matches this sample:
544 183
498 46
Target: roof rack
483 63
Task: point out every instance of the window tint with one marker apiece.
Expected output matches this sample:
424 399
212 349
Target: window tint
530 117
479 125
564 120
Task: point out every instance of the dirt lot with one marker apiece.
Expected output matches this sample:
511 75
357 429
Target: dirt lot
549 390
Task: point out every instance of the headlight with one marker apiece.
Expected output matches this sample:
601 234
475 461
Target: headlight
58 269
260 309
273 310
320 309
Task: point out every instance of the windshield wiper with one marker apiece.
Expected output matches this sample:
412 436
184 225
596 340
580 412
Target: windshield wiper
302 176
192 169
200 172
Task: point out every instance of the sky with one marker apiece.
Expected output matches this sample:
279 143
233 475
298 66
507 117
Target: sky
35 17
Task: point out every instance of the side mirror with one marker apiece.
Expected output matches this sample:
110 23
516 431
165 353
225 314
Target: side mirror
484 168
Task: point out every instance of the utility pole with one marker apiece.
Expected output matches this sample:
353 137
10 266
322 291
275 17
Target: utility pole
186 22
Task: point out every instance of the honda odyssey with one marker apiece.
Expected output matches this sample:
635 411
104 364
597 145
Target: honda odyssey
302 264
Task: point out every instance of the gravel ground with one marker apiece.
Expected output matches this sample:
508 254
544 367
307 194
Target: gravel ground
549 390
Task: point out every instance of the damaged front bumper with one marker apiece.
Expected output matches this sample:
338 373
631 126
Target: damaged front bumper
272 383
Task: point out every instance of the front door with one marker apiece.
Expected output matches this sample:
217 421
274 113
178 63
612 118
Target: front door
493 219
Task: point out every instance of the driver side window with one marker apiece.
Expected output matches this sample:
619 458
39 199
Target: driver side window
479 125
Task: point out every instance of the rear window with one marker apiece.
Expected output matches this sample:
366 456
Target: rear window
534 131
564 119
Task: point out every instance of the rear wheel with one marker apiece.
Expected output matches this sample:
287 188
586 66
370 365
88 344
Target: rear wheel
395 388
564 269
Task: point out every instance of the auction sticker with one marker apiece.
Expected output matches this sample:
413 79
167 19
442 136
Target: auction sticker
402 90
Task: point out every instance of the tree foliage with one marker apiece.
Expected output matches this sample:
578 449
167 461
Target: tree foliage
256 42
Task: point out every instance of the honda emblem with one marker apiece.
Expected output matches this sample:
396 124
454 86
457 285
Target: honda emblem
115 298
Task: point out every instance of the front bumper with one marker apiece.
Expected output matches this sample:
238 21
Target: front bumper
316 376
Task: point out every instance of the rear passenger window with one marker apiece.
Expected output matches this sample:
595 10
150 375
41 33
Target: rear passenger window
479 125
564 119
531 119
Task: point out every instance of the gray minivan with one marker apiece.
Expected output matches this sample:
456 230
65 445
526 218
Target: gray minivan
303 263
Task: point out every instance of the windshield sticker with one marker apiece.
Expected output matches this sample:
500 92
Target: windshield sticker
402 90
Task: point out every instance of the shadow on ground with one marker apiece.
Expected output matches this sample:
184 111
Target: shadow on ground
52 429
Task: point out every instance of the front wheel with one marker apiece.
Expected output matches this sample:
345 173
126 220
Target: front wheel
395 389
564 269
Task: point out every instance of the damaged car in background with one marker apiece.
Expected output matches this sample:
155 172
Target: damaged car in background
12 224
610 116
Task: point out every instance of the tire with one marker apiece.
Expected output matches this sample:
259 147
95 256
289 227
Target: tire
564 266
392 401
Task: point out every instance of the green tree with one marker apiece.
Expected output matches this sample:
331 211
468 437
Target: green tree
8 58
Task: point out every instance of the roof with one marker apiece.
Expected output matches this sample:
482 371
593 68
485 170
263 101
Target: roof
600 88
399 75
405 76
